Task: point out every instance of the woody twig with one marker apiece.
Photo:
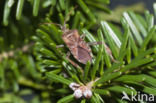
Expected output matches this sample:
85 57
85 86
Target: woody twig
11 53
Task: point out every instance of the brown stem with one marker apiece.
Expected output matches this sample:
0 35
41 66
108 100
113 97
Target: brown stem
11 53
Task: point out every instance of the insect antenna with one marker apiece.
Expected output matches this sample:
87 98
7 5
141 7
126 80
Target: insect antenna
63 28
54 24
66 18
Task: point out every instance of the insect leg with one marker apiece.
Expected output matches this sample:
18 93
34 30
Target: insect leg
72 62
95 43
60 46
67 16
83 36
109 52
106 47
67 57
68 54
53 23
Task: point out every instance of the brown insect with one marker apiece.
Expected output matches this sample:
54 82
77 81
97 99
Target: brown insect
76 44
78 47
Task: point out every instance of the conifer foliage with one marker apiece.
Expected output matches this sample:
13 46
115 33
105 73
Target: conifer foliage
33 69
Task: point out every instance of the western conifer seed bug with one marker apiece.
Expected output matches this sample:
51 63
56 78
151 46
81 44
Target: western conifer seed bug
76 44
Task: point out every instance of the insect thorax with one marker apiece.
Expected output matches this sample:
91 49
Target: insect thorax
77 46
70 36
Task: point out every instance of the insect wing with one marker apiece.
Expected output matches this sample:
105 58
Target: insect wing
83 55
84 52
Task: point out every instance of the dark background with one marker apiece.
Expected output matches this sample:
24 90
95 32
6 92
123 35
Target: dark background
148 3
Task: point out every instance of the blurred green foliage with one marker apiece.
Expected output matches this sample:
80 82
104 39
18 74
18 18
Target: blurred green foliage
32 69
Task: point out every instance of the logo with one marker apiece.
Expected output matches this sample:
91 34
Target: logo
137 97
